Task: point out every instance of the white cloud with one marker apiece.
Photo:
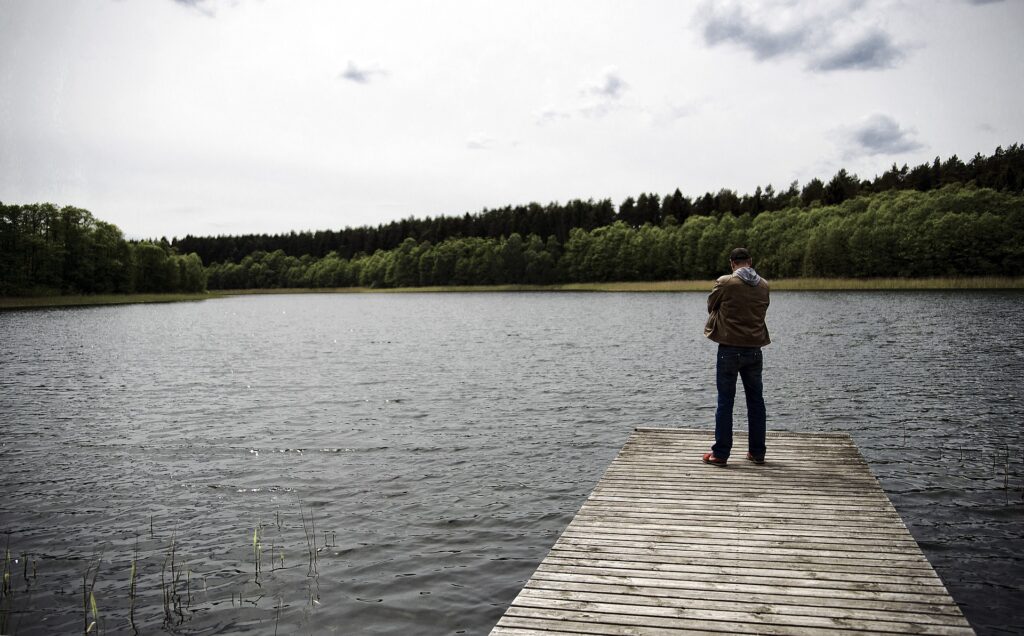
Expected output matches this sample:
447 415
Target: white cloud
611 86
765 34
550 115
481 142
827 36
201 6
880 134
596 98
354 73
870 50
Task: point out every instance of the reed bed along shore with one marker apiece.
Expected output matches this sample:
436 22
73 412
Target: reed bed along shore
881 284
85 300
784 284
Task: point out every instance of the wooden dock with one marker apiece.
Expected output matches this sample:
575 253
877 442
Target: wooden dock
807 543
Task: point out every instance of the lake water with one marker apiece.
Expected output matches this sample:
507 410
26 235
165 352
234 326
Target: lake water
406 460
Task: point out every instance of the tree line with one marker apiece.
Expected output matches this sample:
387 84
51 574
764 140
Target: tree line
946 218
956 230
49 250
1003 171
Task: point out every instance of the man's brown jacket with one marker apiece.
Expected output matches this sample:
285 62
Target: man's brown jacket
736 312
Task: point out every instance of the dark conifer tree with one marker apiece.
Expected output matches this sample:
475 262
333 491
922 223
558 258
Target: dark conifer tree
813 191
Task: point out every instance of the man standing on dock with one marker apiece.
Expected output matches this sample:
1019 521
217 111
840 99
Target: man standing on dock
737 307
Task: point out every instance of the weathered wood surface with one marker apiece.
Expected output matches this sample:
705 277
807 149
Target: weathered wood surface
807 543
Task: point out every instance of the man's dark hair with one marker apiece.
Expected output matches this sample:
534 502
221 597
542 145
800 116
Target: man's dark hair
739 255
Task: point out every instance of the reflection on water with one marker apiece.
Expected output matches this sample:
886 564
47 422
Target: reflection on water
401 463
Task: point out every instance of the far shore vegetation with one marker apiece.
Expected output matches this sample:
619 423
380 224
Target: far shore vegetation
83 300
786 284
941 225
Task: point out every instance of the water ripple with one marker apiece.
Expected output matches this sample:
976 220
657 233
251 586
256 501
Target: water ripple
401 463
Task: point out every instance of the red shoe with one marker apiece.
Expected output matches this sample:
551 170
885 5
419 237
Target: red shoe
756 460
709 458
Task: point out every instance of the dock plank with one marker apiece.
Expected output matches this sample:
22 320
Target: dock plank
667 545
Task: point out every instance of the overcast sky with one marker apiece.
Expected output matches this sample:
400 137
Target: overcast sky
175 117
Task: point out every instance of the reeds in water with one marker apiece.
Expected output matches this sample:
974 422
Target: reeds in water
90 610
6 592
155 580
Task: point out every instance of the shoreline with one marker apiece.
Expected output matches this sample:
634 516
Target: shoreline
96 300
990 283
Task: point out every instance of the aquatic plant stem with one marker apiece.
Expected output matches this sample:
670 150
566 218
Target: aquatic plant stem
256 551
131 586
89 599
6 591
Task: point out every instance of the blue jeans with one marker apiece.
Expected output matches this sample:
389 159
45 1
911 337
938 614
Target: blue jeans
745 362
